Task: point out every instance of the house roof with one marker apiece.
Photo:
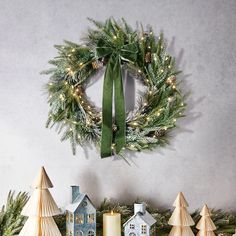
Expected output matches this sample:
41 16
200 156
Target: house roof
73 206
147 218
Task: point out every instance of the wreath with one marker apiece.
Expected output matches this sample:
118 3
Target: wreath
115 46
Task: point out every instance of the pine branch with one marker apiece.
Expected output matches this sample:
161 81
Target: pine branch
11 221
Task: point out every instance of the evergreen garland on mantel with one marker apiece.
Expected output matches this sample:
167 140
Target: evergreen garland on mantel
11 221
224 221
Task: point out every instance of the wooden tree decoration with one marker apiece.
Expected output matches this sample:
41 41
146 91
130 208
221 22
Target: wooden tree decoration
181 219
40 208
205 224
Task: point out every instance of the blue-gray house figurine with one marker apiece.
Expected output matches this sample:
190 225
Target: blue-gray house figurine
141 223
80 215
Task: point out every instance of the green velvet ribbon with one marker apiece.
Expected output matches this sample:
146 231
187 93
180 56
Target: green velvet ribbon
113 81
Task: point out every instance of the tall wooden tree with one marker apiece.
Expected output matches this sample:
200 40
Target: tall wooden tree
205 224
180 218
40 209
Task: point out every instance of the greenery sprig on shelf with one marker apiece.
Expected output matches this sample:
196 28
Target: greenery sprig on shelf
11 221
80 121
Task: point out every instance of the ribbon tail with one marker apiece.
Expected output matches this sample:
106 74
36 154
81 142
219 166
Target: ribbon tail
107 133
119 107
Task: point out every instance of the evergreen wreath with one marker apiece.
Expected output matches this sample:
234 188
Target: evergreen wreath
115 46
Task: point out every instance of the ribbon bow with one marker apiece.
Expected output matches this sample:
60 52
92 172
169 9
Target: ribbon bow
115 52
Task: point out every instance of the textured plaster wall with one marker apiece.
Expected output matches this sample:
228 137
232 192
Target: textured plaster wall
201 159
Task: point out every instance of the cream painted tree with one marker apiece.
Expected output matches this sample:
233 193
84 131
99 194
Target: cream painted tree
40 209
205 224
181 219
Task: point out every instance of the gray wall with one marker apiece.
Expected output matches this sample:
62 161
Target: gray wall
201 158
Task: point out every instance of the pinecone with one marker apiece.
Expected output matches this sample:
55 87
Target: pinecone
171 80
148 57
79 90
96 65
159 133
114 128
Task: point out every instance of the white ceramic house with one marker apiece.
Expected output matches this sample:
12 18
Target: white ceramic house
80 215
141 223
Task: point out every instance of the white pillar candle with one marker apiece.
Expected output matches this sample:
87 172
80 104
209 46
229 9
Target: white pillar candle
111 224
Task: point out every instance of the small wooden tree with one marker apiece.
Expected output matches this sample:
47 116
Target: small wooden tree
180 218
205 224
40 208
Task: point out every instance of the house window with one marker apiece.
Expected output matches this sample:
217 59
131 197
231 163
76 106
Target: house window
143 229
91 233
91 218
79 233
132 226
79 218
132 234
71 218
71 233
